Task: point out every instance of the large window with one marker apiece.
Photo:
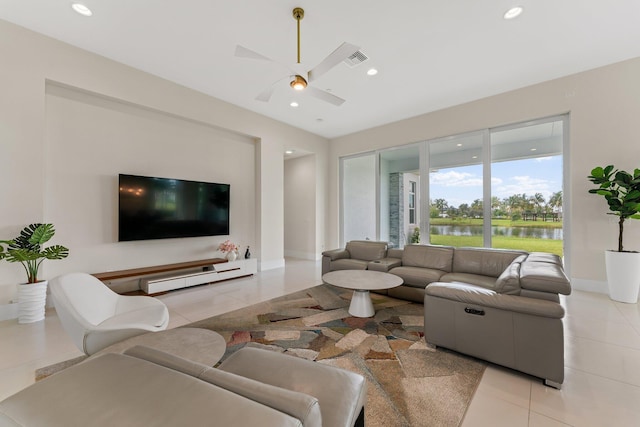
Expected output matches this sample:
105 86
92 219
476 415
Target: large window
498 188
526 187
456 191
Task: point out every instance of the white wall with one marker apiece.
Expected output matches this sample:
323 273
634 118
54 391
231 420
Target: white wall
604 106
29 154
90 140
300 208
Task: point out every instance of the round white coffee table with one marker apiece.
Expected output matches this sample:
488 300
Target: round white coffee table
362 281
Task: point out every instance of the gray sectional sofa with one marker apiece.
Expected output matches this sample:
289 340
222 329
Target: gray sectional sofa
148 387
502 306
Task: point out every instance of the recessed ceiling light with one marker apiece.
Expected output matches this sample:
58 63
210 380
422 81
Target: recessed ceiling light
514 12
288 152
372 72
458 145
534 149
81 9
294 104
474 157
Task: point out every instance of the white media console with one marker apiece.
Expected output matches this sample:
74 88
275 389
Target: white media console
162 278
222 271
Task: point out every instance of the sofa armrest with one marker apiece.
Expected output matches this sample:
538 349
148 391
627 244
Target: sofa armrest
335 254
296 404
384 264
482 297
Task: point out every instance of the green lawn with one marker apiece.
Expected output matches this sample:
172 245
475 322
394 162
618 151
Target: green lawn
521 243
496 222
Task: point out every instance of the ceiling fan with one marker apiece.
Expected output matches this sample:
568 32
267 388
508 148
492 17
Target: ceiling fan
302 82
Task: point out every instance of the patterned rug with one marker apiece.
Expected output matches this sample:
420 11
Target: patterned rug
410 383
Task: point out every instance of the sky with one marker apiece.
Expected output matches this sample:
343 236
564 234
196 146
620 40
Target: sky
464 184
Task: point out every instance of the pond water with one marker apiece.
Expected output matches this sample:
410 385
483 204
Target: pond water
476 230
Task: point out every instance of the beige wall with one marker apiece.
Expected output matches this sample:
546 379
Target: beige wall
604 106
27 194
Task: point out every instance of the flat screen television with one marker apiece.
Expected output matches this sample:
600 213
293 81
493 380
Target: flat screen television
162 208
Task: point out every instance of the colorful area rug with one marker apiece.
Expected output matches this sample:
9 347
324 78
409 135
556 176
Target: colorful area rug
410 383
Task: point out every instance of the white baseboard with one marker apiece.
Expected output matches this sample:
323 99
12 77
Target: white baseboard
302 255
8 311
271 265
590 286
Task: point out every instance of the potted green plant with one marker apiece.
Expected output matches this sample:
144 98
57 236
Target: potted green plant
621 190
27 249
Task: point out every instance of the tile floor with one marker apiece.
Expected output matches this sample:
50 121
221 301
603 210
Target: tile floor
602 360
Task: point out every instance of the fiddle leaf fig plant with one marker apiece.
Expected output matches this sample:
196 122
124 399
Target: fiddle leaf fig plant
27 249
621 189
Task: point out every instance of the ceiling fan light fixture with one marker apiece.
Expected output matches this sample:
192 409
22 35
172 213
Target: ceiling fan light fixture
298 83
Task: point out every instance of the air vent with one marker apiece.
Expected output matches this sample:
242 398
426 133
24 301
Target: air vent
356 59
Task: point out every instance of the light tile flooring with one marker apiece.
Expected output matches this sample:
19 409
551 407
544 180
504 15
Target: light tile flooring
602 354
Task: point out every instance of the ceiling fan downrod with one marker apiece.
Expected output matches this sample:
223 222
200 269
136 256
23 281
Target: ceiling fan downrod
298 14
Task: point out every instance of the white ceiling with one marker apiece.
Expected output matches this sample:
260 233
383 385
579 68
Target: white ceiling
430 54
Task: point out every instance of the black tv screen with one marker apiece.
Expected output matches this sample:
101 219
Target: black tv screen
162 208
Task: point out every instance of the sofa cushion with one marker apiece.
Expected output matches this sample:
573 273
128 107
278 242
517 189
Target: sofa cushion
417 276
428 256
366 250
544 257
483 261
472 279
545 277
349 264
118 390
294 403
341 393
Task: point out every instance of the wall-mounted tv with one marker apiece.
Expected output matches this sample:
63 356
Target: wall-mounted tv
162 208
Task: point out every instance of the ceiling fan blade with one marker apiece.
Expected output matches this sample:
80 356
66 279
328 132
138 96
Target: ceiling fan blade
337 56
265 95
324 96
243 52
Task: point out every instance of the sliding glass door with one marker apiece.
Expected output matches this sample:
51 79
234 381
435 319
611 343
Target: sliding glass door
400 195
358 198
456 191
498 188
526 187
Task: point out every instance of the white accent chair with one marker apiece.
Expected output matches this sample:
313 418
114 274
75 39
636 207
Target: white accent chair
96 317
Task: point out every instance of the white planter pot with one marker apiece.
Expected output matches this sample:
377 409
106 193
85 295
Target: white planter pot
623 275
231 256
32 298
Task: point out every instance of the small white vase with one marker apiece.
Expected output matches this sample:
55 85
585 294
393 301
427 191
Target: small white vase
231 256
32 298
623 275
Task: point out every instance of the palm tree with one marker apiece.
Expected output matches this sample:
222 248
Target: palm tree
442 205
555 201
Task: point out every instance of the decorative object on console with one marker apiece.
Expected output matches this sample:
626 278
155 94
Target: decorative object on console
229 248
27 250
247 253
621 189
